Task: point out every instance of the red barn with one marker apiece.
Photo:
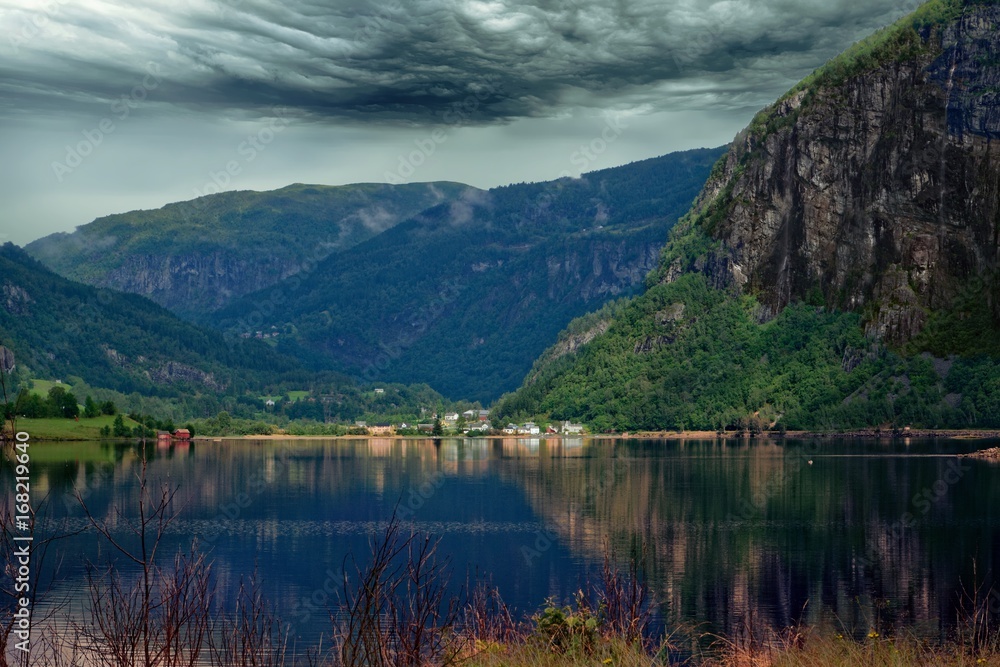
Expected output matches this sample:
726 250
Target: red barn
182 434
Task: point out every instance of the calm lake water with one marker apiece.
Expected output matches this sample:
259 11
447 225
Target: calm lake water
884 533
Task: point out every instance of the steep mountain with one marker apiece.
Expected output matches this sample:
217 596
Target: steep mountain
851 227
467 294
197 256
55 328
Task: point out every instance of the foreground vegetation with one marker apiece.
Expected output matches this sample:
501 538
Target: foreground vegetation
69 429
798 649
686 356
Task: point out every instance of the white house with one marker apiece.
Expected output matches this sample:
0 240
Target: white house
572 429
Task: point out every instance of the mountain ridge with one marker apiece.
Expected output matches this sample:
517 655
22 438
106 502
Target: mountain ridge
197 256
467 294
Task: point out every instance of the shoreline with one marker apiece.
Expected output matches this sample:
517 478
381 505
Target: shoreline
866 433
948 434
992 454
870 434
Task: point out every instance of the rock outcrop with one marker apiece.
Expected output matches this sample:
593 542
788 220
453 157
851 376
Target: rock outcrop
196 282
875 187
7 359
173 372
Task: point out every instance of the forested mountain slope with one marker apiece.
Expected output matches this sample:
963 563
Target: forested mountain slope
466 295
56 328
839 268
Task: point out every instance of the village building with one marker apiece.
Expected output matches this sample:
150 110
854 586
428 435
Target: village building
381 429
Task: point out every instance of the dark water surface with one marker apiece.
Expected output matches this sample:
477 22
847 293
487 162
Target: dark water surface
870 533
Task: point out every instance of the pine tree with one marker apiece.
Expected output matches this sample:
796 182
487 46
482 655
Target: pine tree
90 408
120 430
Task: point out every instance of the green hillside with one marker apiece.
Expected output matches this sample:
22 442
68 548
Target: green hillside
773 306
57 328
124 349
688 356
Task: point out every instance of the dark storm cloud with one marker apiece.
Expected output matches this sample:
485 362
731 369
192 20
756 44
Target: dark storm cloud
417 60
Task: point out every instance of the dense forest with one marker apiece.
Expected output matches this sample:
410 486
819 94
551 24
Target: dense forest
124 349
118 341
687 356
465 296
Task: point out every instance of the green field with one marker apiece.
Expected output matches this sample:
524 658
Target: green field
42 387
68 429
292 396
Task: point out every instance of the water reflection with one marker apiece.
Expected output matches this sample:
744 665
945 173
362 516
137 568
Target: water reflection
791 531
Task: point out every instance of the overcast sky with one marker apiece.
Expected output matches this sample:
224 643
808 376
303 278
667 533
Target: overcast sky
114 105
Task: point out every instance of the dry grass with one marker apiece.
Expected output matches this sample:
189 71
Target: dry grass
810 649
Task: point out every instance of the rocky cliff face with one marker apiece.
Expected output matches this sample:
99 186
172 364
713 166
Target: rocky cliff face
879 193
602 270
196 282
